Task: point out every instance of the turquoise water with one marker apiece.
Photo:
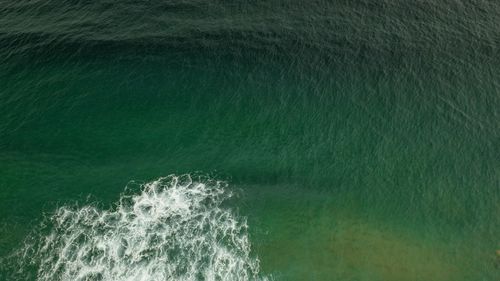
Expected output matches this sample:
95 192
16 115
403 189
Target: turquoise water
343 140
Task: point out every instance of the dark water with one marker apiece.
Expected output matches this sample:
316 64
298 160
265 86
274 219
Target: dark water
360 139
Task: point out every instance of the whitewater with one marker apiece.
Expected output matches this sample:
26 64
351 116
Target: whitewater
173 228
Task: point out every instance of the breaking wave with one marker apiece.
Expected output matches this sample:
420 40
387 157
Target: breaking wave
174 228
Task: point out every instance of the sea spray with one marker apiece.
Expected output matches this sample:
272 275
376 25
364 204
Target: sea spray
174 228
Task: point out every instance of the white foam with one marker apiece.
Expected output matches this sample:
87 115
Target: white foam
173 229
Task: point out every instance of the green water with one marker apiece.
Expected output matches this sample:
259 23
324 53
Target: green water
362 138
